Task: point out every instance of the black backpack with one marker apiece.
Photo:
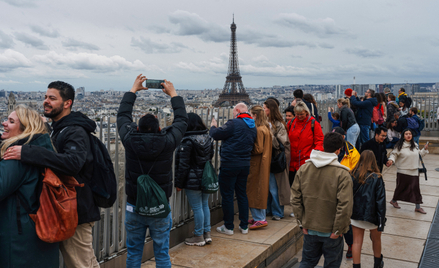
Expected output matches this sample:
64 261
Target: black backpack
408 102
103 182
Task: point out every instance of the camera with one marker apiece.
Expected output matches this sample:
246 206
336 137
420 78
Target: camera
154 83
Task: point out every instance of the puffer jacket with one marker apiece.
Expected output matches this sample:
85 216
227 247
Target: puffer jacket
392 108
238 137
364 110
303 140
347 117
370 200
195 150
149 153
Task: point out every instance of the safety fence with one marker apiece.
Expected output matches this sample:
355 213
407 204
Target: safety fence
109 235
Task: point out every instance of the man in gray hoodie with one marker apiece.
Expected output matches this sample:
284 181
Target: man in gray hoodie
322 201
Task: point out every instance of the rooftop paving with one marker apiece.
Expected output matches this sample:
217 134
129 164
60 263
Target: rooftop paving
403 239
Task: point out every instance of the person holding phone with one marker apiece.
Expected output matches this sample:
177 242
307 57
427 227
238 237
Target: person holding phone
405 155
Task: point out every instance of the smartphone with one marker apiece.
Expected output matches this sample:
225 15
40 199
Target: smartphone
427 142
154 83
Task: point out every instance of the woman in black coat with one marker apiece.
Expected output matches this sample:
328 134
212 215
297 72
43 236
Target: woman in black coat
191 156
369 211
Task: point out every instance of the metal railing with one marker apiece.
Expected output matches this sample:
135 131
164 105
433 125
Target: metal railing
109 235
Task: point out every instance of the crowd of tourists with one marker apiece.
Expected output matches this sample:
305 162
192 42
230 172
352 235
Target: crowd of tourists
333 181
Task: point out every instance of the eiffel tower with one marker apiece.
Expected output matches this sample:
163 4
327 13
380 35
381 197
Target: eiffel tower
233 91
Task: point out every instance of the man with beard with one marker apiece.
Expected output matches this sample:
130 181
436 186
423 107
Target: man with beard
70 136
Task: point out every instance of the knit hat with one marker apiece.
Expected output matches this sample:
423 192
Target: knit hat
339 130
348 92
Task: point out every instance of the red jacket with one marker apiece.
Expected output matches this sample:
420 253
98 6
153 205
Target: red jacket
303 141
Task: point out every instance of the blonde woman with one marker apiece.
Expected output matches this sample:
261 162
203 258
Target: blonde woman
20 181
259 176
348 121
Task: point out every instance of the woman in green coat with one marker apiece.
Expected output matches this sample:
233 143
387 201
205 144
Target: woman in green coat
23 126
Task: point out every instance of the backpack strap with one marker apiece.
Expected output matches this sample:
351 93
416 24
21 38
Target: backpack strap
312 126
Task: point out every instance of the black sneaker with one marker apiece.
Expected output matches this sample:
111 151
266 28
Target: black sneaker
349 252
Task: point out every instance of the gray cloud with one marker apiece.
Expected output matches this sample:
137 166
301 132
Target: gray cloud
274 42
31 41
12 59
45 31
321 27
6 40
21 3
192 24
148 46
89 61
364 52
326 45
435 42
73 44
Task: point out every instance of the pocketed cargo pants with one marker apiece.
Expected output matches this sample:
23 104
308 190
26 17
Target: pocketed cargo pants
77 251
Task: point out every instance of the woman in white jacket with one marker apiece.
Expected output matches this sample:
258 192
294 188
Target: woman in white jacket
405 155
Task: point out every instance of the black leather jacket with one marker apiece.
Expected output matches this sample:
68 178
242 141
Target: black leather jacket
370 201
195 150
347 117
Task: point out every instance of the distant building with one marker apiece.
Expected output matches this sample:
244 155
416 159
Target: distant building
2 93
339 92
11 103
80 93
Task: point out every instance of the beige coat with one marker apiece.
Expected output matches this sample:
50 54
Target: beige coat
259 177
282 178
321 194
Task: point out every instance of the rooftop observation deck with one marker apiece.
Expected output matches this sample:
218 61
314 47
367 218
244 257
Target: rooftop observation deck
281 241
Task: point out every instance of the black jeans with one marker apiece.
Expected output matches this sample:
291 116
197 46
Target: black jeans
233 180
292 174
313 248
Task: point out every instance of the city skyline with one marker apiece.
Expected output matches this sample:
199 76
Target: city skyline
105 45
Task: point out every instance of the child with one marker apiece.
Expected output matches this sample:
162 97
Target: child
333 117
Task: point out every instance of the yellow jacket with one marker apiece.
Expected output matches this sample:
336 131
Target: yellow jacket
351 156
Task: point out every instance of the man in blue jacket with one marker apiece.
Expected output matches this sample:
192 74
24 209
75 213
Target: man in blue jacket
364 113
238 137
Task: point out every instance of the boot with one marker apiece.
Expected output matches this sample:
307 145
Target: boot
378 262
357 265
195 241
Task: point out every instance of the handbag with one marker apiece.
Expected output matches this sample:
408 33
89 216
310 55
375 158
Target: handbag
278 161
209 182
423 169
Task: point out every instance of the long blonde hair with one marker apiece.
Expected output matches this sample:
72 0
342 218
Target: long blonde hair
261 117
344 102
30 124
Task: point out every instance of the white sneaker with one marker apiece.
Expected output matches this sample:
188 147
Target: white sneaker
223 230
292 215
243 231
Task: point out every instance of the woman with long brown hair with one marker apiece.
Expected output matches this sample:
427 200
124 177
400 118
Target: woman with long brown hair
279 194
369 210
258 178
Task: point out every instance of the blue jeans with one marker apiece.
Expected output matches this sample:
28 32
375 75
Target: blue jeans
392 143
231 180
159 229
352 134
313 248
364 134
199 203
273 204
416 139
258 214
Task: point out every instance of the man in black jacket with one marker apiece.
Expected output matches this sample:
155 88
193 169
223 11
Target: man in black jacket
377 146
70 136
149 150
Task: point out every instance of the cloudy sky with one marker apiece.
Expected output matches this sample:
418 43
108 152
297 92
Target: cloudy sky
105 44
